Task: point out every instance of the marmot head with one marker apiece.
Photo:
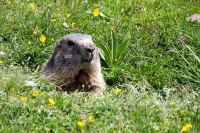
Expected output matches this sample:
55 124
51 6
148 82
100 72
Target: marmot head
77 47
74 62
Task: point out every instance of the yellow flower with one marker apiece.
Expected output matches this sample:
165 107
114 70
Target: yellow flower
53 20
186 127
12 89
83 86
36 93
144 95
189 125
32 6
51 101
73 25
1 62
34 32
36 27
81 123
166 122
42 38
90 118
117 90
24 99
111 28
172 103
68 15
96 12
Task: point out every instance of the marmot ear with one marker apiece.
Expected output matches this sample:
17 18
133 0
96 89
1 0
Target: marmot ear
58 43
58 46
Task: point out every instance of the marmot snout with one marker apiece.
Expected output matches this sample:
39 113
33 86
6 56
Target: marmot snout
75 64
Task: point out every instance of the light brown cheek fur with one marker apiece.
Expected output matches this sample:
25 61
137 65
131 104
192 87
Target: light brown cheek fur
90 78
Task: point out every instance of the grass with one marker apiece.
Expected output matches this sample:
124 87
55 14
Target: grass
126 111
113 54
158 76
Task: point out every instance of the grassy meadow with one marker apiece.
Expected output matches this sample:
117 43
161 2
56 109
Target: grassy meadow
150 61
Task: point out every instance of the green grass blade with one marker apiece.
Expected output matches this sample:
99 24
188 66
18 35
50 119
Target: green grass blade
102 54
114 46
106 55
189 64
195 56
121 51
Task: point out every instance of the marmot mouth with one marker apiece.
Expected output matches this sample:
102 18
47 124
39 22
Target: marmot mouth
87 61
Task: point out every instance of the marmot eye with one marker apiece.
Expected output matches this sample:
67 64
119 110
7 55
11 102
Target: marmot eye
70 43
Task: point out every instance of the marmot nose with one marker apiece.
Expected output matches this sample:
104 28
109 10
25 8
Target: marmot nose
90 50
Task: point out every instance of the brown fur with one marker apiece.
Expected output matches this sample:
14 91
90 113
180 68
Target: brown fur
75 65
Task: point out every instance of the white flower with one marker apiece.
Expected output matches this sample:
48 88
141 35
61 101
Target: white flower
30 83
88 12
2 53
65 24
102 15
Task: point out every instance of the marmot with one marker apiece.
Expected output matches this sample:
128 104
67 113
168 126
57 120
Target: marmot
75 65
